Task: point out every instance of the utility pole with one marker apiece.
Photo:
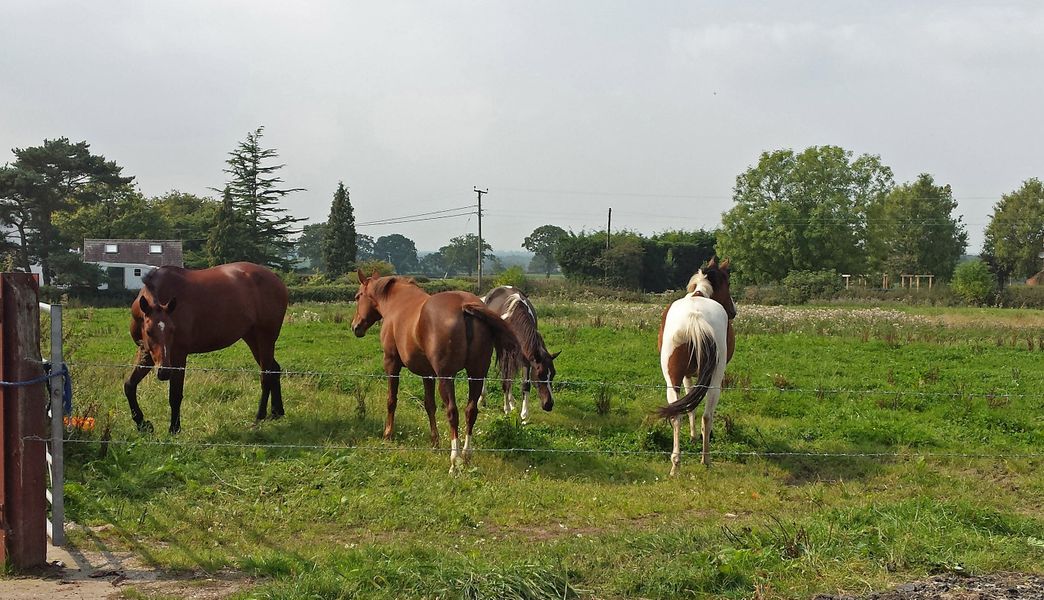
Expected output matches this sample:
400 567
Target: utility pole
608 227
480 192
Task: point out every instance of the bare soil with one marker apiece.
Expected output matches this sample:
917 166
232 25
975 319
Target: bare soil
950 586
76 574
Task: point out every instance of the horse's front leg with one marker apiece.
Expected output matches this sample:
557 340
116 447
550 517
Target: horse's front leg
527 384
142 367
392 367
177 391
470 414
449 401
429 407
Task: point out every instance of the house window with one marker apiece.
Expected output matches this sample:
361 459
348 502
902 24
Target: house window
111 248
155 249
137 272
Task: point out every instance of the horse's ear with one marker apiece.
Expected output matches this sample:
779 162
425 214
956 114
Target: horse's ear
169 307
362 277
713 263
555 355
725 266
143 304
376 273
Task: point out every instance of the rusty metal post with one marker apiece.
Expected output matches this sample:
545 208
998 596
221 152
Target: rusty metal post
23 512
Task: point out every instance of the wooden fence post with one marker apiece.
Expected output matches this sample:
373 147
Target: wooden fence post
23 505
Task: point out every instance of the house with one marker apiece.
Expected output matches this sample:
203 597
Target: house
125 262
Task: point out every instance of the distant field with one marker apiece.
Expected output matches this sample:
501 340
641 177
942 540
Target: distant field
855 448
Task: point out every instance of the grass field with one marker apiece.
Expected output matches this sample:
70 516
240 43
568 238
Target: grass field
855 448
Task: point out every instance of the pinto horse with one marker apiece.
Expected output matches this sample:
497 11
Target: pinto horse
435 336
181 312
693 331
516 310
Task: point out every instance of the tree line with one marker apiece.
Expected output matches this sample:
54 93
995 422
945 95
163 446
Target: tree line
820 209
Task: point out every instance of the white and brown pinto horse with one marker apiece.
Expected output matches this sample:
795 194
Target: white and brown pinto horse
535 360
694 331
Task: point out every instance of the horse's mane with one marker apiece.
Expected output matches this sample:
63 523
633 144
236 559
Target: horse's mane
381 285
154 279
520 317
700 282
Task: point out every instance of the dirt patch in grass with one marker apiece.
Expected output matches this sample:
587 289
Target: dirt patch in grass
85 575
949 586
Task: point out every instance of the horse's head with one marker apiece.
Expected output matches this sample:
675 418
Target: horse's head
367 312
717 275
543 373
158 331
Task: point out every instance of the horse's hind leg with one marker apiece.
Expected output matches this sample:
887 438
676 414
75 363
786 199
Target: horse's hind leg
429 407
687 382
264 355
142 367
708 422
470 414
449 400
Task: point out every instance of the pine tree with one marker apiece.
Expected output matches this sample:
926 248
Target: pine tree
256 195
229 239
339 247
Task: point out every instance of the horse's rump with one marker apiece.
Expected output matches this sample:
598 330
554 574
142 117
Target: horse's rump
697 332
505 342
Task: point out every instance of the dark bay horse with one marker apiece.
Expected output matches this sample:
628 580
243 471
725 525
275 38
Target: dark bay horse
517 311
181 312
435 336
693 331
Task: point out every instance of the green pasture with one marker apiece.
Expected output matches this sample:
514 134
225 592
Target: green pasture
855 448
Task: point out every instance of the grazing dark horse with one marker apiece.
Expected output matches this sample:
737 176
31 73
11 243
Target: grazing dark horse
692 333
181 312
435 336
517 311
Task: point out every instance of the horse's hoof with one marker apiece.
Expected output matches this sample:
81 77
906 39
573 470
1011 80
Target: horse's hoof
674 470
275 416
175 430
146 427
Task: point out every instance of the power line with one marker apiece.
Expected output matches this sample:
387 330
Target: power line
388 220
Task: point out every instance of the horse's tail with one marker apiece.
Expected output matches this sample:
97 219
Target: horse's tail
700 336
505 342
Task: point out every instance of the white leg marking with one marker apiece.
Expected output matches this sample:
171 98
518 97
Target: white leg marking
525 406
454 455
482 396
687 382
467 449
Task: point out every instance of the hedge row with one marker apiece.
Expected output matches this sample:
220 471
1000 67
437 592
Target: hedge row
345 292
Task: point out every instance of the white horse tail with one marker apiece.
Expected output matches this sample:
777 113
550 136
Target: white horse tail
701 337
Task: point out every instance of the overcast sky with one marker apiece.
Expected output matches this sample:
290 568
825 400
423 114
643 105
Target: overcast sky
561 109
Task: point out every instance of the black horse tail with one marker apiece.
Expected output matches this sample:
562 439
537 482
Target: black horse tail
706 362
505 342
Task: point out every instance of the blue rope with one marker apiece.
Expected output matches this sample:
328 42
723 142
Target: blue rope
48 375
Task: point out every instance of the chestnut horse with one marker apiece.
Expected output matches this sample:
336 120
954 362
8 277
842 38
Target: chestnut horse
517 311
435 336
181 312
693 331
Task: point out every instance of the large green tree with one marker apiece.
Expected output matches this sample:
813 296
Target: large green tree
542 243
912 229
461 253
804 210
339 248
230 238
188 218
1015 234
310 245
397 249
257 195
364 245
44 180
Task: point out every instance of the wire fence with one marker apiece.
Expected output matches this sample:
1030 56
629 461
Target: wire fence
598 384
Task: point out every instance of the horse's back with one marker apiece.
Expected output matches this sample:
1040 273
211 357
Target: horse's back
682 313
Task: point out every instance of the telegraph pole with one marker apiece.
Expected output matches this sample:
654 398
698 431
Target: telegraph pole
608 227
480 192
